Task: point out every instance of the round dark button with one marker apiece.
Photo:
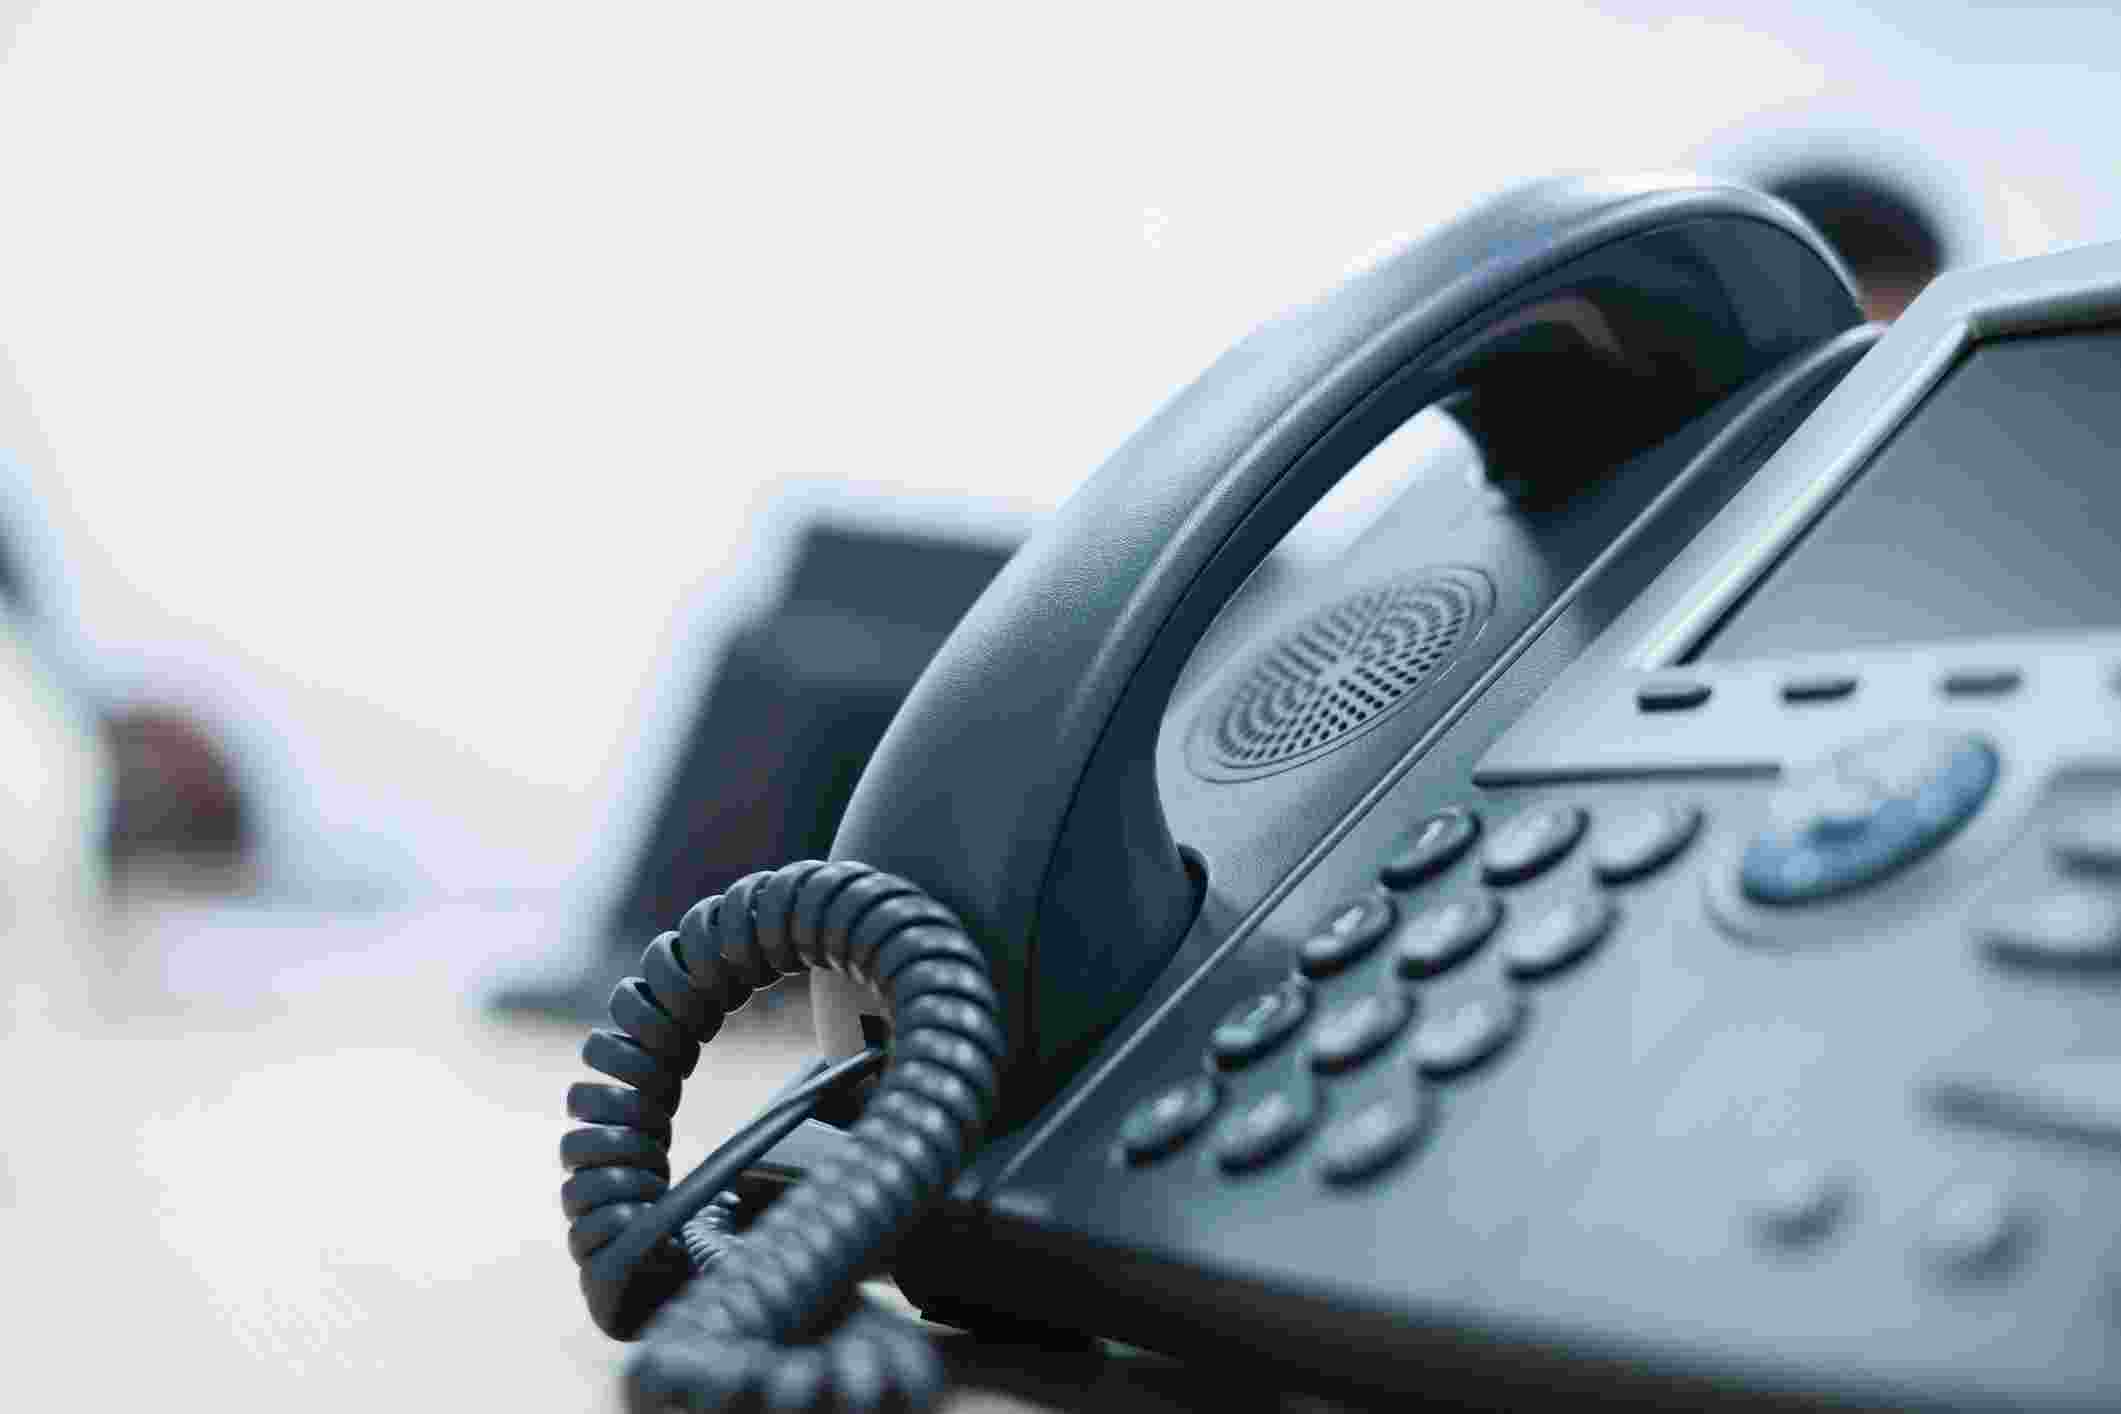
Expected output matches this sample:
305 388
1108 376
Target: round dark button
1373 1138
1355 1031
1976 1230
1263 1130
1643 841
1253 1028
1532 843
1866 812
1468 1032
1436 844
1800 1204
1347 933
1163 1122
1560 937
1443 935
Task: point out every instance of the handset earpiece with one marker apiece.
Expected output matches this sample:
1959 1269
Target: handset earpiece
1018 783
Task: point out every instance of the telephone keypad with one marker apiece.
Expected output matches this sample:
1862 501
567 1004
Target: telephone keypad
1560 937
1357 1030
1347 933
1644 840
1374 1137
1163 1123
1469 1032
1254 1027
1264 1130
1532 843
1436 844
1443 935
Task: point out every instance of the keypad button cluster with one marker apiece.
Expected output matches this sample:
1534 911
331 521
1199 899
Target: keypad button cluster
1356 1023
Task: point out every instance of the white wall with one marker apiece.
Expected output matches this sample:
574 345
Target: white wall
401 380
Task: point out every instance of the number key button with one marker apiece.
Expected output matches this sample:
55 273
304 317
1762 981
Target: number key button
1560 937
1436 844
1641 842
1440 937
1532 843
1347 933
1468 1033
1264 1130
1165 1121
1374 1137
1350 1034
1252 1028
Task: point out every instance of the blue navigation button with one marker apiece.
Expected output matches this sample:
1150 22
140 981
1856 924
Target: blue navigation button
1868 811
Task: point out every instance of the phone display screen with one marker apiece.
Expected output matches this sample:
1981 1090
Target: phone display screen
1995 509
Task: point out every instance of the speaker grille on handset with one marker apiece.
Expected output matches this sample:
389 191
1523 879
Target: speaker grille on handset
1339 674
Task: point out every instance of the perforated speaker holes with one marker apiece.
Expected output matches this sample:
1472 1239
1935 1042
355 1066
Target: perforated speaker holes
1339 674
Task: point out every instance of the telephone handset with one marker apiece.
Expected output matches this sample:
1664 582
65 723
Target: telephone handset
1077 857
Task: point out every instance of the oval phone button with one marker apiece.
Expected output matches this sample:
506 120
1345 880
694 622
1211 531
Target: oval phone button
1167 1120
1264 1130
1436 844
1532 843
1252 1028
1355 1031
1464 1035
1373 1138
1561 937
1440 937
1347 933
1643 841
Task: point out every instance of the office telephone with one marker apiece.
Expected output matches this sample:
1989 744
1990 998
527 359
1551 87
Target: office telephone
1644 923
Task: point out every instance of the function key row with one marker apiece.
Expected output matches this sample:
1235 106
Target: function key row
1684 694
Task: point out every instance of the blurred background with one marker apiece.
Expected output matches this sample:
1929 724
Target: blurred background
476 476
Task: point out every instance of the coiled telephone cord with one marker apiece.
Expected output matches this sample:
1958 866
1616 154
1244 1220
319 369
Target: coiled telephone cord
741 1319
